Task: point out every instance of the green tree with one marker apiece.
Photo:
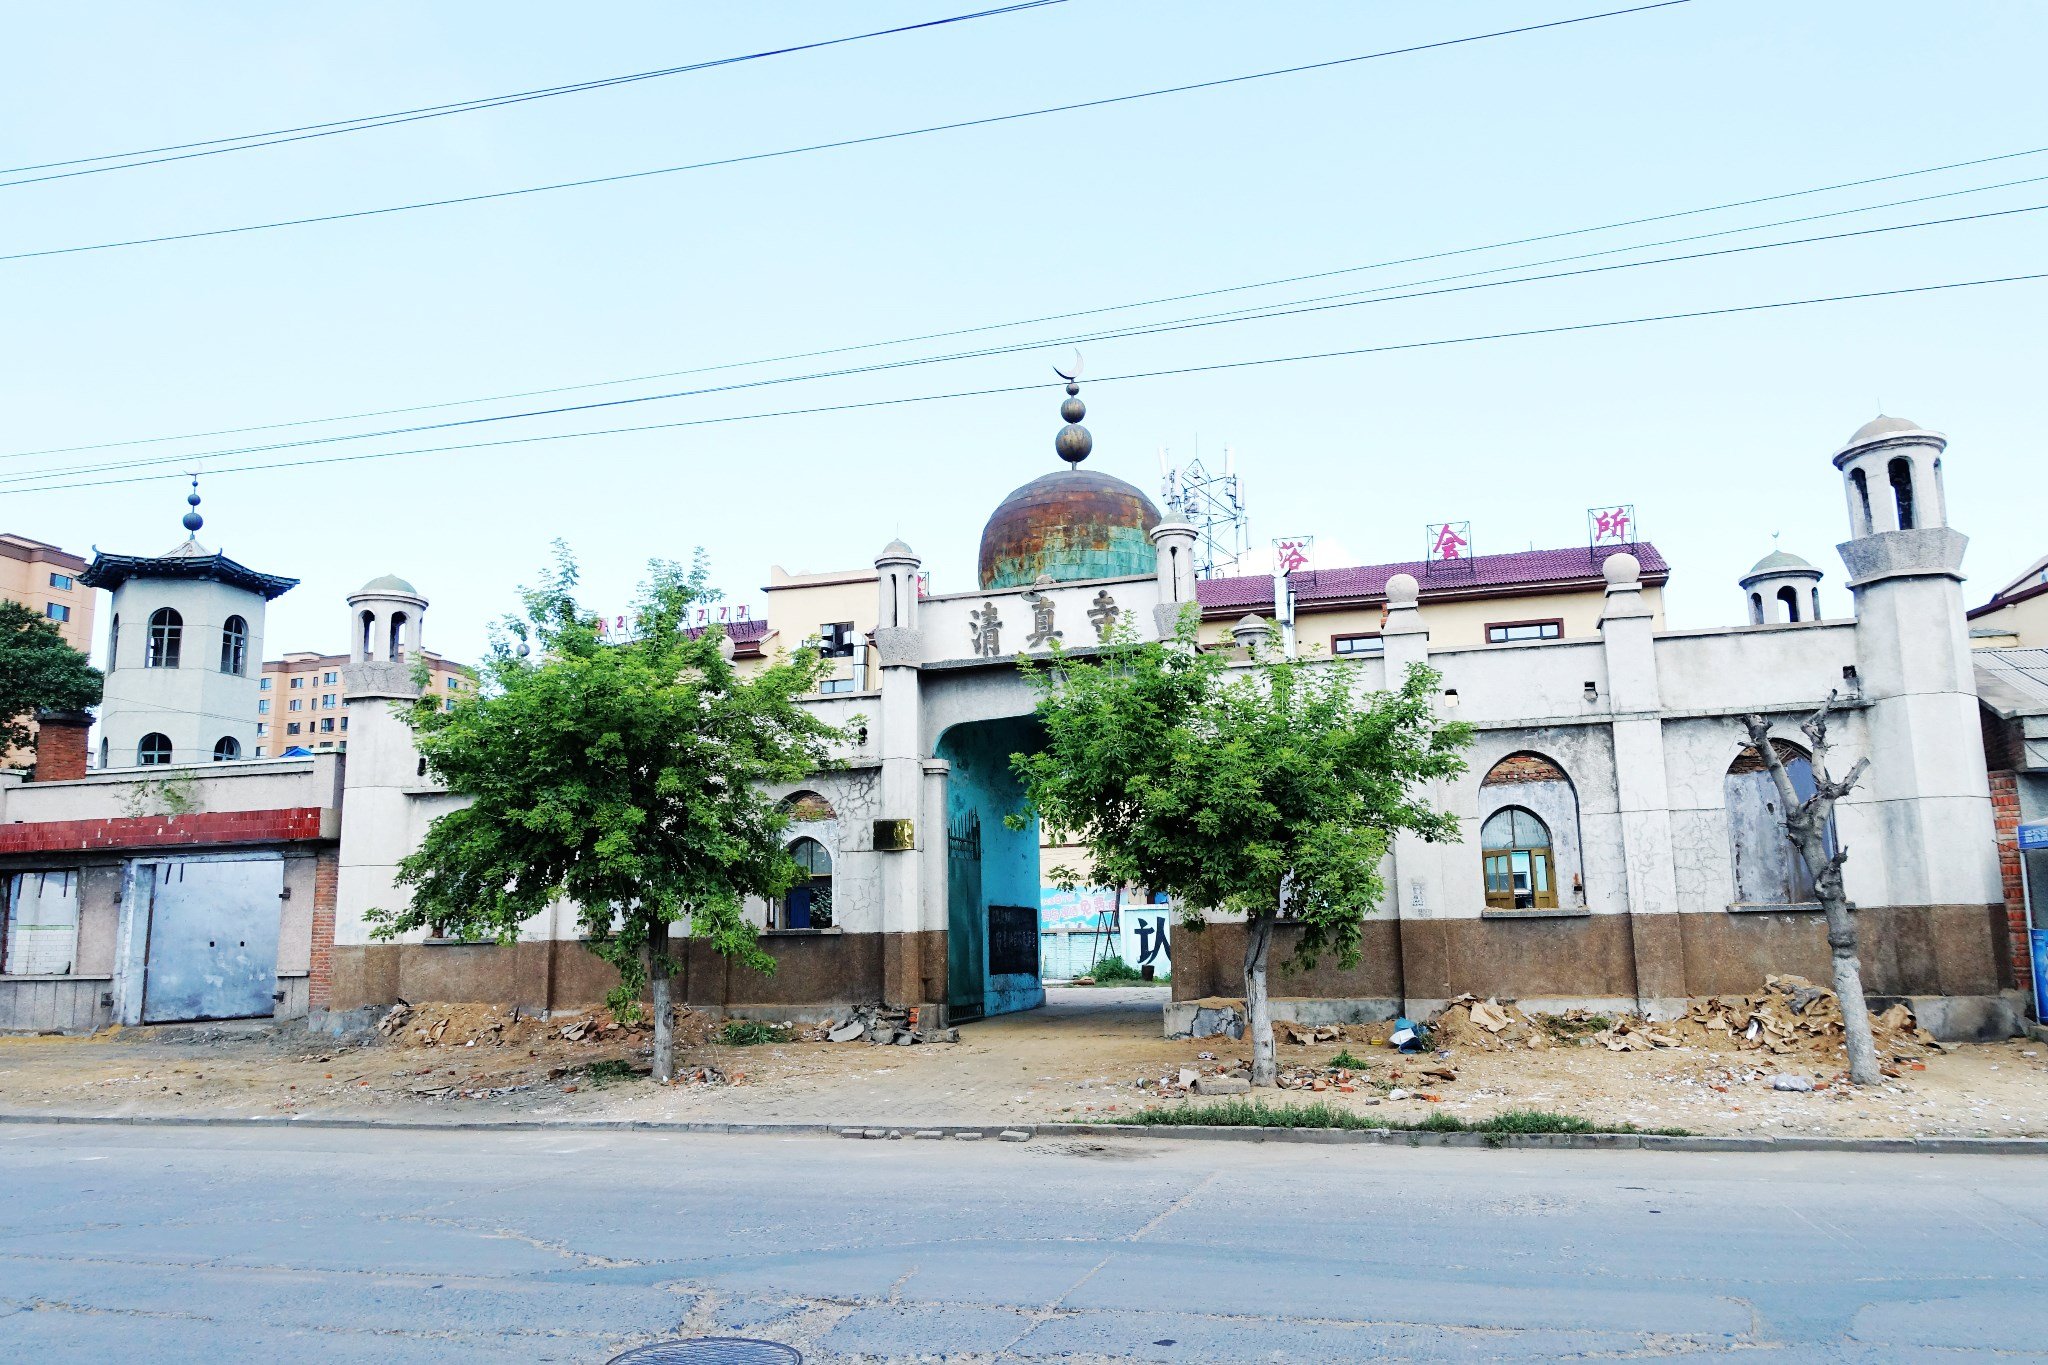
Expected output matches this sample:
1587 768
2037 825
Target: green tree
38 672
1273 790
625 775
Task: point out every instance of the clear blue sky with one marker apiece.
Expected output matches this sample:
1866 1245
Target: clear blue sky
1718 430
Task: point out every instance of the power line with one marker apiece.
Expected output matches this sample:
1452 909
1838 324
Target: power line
835 144
1175 372
1296 308
1147 303
184 151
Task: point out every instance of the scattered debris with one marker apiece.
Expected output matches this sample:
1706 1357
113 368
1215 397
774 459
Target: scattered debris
1791 1014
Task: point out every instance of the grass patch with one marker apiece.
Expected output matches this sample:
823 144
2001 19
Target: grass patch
751 1033
609 1070
1258 1114
1113 969
1569 1029
1345 1061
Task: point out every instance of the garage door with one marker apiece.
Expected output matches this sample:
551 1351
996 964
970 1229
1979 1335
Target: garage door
212 939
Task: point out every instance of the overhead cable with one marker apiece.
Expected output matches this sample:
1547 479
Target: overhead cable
1144 303
833 145
1175 372
186 151
1293 309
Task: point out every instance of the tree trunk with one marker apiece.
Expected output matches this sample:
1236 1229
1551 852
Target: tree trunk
1849 993
1258 947
664 1017
1807 824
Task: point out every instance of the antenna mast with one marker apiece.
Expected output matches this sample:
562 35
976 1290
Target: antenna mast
1212 501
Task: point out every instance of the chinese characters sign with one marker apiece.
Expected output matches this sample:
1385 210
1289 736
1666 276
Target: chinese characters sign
1293 553
1450 540
1612 525
1143 937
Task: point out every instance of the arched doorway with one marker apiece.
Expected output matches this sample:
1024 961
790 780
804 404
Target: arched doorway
992 872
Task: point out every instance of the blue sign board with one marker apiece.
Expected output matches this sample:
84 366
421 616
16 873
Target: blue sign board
2039 939
2034 834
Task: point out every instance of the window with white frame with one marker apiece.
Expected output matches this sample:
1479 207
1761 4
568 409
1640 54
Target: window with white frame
1511 632
42 924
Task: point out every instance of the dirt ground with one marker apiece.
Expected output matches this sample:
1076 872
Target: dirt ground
1092 1052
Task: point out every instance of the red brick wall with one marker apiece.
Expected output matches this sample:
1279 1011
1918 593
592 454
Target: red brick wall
60 749
163 831
320 980
2005 814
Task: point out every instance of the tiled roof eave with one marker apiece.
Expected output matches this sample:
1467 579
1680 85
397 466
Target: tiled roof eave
1439 592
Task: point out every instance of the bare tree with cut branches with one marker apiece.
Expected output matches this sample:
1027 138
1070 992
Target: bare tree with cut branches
1807 824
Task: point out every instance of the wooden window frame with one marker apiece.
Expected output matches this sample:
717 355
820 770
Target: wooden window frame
1492 626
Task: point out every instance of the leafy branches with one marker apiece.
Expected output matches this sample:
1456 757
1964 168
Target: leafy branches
626 776
1274 791
39 671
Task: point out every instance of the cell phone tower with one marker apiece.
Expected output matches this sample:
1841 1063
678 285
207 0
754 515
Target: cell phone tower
1212 501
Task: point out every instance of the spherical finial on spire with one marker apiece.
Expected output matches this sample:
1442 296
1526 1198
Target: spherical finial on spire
193 521
1073 442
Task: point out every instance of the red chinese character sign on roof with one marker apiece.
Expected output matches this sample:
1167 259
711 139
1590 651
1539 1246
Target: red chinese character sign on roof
1612 525
1293 553
1449 540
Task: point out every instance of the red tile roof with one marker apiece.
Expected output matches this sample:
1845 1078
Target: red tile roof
1481 575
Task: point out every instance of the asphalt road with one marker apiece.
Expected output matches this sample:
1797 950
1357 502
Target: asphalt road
224 1245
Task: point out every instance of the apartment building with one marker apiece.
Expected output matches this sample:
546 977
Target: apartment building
42 576
299 700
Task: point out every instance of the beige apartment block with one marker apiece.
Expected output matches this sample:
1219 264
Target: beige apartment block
2016 617
42 576
300 699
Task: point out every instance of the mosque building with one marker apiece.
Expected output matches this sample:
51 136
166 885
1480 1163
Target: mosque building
1619 841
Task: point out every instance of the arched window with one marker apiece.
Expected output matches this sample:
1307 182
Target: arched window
1816 604
166 638
1900 471
225 748
234 646
369 624
1521 871
398 640
1756 608
805 807
1789 595
1768 869
155 748
105 753
808 904
1861 483
114 649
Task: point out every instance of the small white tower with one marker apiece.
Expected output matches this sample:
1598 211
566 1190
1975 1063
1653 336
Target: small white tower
387 618
184 652
1782 588
1913 667
1891 469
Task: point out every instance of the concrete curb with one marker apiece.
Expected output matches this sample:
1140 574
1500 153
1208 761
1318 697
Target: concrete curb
1340 1137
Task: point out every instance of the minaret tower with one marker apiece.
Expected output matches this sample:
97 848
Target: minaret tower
1913 666
184 652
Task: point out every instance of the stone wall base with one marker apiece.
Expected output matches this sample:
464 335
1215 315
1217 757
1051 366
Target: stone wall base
1918 951
815 977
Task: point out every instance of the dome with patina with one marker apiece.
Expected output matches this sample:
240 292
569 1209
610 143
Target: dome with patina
1069 525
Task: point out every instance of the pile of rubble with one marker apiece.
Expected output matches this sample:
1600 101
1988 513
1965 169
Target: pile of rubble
882 1026
1207 1077
464 1025
1791 1014
1484 1025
